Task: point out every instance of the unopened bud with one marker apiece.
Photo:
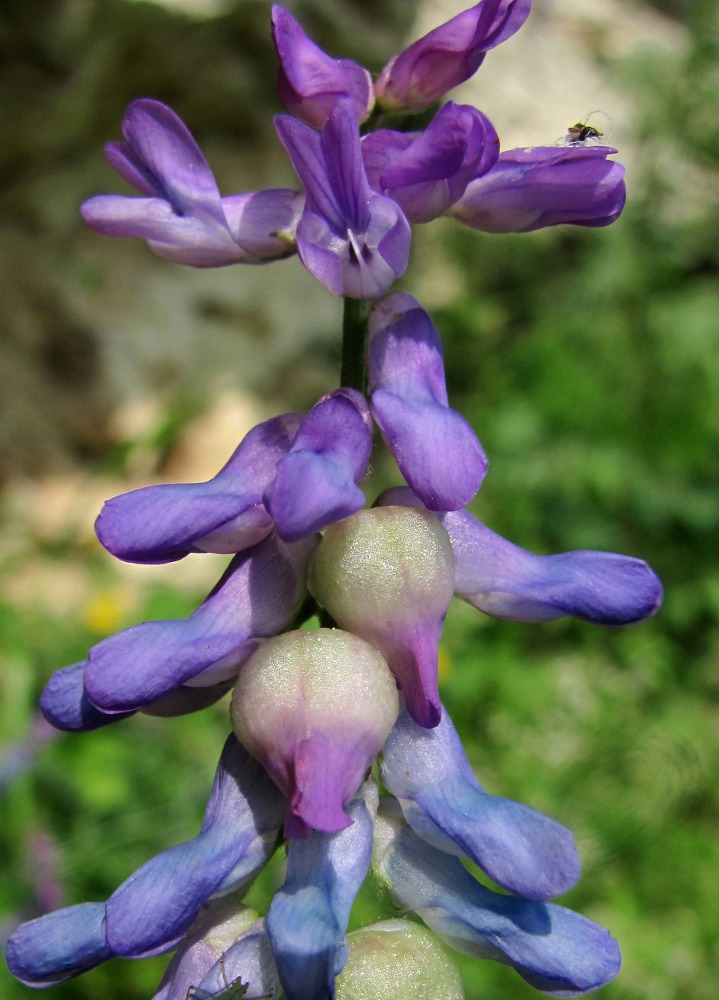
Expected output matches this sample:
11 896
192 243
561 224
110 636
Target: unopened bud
398 960
315 708
387 575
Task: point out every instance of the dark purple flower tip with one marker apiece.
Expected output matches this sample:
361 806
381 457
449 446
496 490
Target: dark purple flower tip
181 214
554 949
316 482
523 851
426 172
257 596
158 524
309 81
354 241
157 905
66 706
506 581
437 451
307 921
59 945
449 55
543 186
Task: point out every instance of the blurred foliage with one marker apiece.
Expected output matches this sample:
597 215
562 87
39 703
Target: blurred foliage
587 362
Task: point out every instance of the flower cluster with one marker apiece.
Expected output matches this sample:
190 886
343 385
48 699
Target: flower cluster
322 716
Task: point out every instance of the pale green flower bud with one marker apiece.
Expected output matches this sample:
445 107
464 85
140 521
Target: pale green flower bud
387 574
315 708
398 960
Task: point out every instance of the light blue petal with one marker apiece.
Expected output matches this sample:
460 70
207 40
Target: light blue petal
522 850
59 945
551 947
156 906
308 918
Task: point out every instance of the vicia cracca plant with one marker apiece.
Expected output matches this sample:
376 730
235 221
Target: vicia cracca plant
326 623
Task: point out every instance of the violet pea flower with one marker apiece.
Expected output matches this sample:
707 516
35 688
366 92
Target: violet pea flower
505 581
523 851
448 55
551 947
309 81
159 524
257 596
353 240
437 451
426 172
542 186
153 909
181 214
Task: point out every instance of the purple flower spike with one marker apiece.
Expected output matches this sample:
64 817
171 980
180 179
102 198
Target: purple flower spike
426 172
505 581
59 945
523 851
354 241
449 55
310 81
437 451
554 949
257 596
543 186
307 921
155 907
182 216
316 482
158 524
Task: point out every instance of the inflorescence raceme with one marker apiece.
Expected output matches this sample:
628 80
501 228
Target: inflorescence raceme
324 718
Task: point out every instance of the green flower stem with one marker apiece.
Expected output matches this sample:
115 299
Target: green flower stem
353 373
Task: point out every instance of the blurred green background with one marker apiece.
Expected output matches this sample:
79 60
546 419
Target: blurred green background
587 361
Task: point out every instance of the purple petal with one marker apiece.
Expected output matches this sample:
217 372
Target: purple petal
224 933
59 945
226 514
426 172
542 186
316 481
353 241
184 239
523 851
552 948
308 917
156 906
247 961
66 706
449 55
163 151
264 223
436 449
182 216
310 81
503 580
257 596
